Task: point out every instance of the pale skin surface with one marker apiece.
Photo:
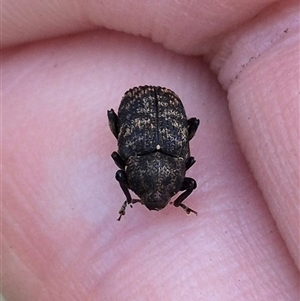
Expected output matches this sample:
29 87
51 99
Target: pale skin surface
61 240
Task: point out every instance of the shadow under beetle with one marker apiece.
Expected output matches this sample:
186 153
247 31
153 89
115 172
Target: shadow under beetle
153 155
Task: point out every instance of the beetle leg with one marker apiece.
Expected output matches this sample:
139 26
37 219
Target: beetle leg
193 124
113 122
189 162
118 160
188 185
121 177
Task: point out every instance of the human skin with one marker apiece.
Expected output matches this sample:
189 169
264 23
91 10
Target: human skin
60 201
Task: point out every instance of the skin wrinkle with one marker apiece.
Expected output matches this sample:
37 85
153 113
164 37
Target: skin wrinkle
274 162
96 14
244 46
277 143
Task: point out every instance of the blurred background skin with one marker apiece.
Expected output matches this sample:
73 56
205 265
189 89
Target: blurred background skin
235 66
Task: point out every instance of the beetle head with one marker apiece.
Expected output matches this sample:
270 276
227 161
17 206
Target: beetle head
155 178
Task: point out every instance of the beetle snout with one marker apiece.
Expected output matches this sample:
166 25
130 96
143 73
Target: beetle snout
153 206
156 202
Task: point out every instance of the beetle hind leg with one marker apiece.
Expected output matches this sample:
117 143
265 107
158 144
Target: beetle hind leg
189 163
113 122
193 124
188 185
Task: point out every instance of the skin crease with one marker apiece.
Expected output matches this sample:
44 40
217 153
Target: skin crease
60 201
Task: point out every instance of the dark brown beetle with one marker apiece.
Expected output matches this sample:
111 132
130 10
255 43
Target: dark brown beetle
153 136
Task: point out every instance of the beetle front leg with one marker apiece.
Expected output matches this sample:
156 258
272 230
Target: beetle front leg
188 185
121 177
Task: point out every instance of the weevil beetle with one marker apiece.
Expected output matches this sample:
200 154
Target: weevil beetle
153 155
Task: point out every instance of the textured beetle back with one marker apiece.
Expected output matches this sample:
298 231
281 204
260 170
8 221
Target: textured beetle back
151 119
